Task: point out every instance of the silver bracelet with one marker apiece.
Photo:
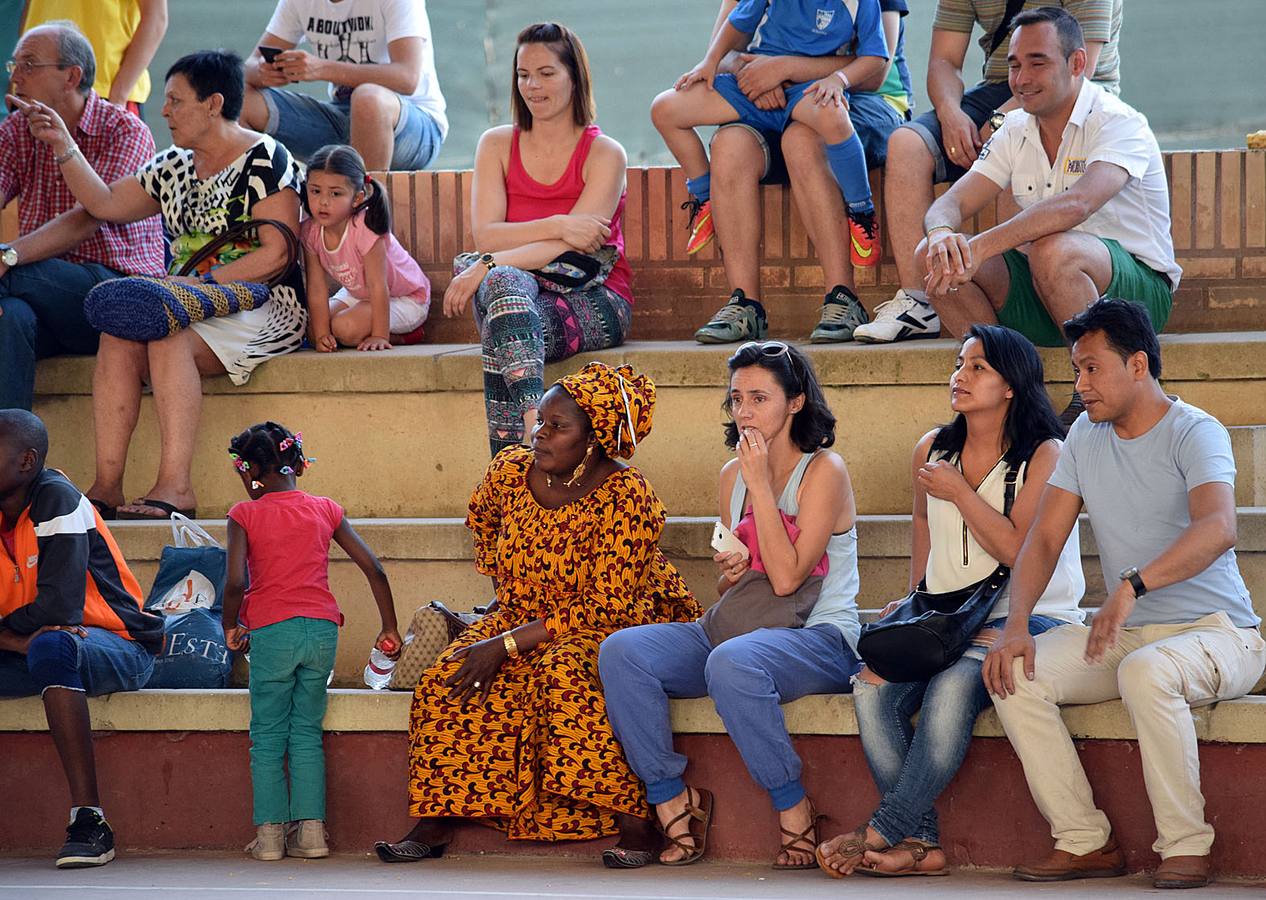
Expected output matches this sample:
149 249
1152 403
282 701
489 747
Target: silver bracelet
65 157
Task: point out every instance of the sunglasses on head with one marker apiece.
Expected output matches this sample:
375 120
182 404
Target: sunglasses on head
766 348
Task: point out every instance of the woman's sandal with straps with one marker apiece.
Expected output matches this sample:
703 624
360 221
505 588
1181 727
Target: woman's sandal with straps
853 846
794 842
918 852
698 818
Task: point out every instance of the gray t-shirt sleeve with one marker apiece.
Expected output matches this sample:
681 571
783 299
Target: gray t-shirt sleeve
1204 454
1065 475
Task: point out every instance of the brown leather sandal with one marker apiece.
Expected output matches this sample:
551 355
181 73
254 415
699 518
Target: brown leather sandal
918 852
698 818
794 842
854 846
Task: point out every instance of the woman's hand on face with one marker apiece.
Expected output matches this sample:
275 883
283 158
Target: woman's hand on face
585 231
941 480
733 566
46 125
753 454
459 291
480 664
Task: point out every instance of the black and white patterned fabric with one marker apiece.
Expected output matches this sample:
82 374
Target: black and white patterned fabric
194 209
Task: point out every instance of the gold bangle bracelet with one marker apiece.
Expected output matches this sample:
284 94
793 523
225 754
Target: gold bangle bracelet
928 233
512 646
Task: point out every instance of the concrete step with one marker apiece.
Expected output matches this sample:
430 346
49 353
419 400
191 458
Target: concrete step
1248 443
432 559
402 433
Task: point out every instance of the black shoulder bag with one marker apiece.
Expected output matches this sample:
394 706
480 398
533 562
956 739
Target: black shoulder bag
1004 27
927 632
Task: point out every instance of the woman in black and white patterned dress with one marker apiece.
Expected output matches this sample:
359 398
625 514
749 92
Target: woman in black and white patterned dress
217 173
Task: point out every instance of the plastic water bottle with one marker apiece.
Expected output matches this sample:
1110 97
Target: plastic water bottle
378 672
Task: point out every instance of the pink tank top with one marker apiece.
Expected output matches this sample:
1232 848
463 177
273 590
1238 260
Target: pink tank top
528 199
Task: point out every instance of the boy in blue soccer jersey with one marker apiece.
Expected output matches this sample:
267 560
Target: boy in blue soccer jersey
782 27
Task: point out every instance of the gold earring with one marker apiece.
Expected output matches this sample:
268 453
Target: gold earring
578 472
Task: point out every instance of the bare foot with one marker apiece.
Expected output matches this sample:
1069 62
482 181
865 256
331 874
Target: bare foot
843 853
797 820
431 831
901 858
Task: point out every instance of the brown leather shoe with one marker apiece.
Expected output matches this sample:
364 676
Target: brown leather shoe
1182 872
1106 862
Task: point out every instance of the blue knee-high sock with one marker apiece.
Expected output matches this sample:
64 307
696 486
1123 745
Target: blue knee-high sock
701 188
847 160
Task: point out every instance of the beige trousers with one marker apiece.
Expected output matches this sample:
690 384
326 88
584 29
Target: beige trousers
1160 672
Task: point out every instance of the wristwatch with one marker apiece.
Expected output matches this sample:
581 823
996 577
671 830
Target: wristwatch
487 260
1132 576
996 120
8 255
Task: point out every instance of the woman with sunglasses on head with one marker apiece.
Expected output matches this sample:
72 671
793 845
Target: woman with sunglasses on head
1003 420
785 624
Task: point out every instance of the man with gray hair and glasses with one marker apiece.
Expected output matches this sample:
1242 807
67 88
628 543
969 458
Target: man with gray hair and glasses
61 251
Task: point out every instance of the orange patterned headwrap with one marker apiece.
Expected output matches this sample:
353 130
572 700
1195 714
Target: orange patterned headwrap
618 402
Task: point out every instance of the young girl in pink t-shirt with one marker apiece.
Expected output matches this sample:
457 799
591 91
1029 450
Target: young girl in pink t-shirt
281 537
347 235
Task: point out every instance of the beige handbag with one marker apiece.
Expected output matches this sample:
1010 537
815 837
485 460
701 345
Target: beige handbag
433 628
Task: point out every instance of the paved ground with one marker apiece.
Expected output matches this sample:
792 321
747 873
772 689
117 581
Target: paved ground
222 877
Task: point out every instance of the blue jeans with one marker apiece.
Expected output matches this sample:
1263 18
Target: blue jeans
101 663
305 124
911 767
747 678
42 314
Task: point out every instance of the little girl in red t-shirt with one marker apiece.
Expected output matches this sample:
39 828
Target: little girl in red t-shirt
281 536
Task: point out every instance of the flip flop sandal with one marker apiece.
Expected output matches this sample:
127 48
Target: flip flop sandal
855 845
161 505
407 851
794 842
622 858
107 512
918 853
698 818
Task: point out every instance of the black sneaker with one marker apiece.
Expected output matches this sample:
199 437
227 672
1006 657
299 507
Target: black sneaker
89 842
741 319
842 312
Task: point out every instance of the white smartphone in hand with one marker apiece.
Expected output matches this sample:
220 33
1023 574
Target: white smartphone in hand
726 541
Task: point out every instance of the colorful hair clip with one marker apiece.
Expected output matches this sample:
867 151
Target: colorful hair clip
287 443
287 470
309 460
240 464
256 485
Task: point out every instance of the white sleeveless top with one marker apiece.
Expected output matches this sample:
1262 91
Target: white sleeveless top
837 603
956 559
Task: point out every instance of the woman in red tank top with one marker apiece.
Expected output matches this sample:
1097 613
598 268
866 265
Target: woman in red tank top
550 184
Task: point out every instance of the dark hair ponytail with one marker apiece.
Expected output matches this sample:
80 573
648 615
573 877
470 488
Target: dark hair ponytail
340 159
271 447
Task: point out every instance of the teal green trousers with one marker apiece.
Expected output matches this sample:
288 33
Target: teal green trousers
290 663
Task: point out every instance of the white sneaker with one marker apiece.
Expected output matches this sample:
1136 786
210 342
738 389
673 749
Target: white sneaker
903 318
306 839
270 842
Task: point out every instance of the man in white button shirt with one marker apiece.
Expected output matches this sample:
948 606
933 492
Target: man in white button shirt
1086 172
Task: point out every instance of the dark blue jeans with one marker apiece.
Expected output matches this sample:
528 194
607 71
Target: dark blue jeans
911 767
42 314
101 663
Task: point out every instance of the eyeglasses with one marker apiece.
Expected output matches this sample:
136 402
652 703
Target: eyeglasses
766 348
28 67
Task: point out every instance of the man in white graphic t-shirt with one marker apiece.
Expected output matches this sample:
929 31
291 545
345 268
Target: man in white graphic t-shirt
379 60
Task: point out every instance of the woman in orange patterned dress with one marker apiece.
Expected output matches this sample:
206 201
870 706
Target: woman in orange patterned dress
509 727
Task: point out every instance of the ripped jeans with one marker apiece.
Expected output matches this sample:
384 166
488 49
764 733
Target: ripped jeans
912 766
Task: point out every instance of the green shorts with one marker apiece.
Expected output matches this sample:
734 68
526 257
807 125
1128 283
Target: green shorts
1131 280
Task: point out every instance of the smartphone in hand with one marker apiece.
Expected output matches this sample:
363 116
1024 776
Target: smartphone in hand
269 53
726 541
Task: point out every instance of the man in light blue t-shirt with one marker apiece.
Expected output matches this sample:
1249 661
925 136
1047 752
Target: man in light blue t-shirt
1157 478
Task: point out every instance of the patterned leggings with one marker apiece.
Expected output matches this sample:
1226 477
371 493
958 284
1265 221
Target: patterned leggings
522 327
